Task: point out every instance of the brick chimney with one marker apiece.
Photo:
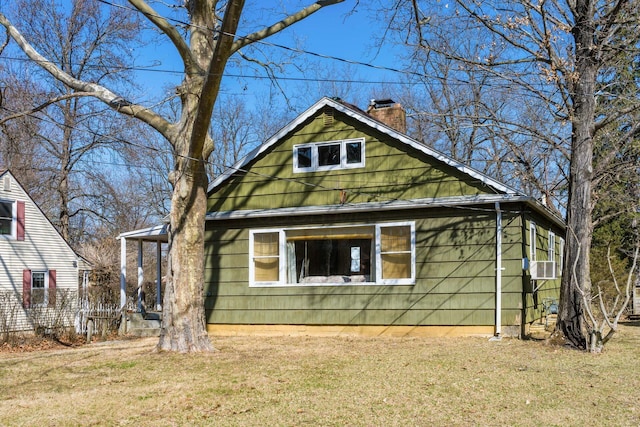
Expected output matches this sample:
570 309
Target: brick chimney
388 112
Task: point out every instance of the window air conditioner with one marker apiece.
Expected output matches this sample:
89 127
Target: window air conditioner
542 270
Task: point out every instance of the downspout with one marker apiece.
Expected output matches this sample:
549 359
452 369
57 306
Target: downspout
499 269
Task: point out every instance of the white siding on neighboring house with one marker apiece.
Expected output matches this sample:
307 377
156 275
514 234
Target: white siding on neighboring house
42 250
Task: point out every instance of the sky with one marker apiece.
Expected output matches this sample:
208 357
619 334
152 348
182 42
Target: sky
335 31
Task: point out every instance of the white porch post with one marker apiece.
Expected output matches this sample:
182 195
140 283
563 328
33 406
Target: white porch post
123 272
159 276
140 275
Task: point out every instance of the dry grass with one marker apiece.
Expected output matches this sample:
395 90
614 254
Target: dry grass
291 381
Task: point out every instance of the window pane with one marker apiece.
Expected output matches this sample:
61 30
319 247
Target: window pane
37 280
266 270
396 266
6 216
265 244
329 155
5 226
304 157
354 152
266 260
6 210
395 239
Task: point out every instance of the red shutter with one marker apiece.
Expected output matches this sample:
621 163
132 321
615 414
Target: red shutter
52 288
20 225
26 288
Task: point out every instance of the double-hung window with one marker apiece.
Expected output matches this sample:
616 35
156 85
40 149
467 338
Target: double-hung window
6 217
38 288
12 219
551 251
318 156
359 254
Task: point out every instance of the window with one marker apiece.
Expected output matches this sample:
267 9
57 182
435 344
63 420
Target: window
333 255
395 253
38 288
552 247
265 248
331 155
6 217
12 219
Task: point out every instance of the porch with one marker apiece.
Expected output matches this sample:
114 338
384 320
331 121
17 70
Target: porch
158 235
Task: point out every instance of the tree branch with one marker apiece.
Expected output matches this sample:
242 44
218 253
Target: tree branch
281 25
44 105
190 64
91 89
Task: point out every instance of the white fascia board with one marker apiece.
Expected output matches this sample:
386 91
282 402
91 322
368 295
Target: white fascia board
364 207
157 232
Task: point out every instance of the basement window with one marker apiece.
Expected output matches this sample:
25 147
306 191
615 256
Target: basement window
381 254
332 155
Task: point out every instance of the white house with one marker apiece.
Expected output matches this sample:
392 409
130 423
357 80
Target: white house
38 268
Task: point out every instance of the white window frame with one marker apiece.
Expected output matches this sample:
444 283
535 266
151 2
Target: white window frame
551 250
315 158
533 238
405 281
14 219
376 272
45 299
281 258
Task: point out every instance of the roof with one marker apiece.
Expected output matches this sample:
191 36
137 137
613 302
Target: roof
157 233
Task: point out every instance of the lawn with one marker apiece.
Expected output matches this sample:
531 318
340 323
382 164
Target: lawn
328 381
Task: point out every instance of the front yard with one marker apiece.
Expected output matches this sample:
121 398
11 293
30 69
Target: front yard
291 381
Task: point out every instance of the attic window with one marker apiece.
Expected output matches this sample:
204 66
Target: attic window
331 155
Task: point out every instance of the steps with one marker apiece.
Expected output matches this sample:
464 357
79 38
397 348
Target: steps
138 325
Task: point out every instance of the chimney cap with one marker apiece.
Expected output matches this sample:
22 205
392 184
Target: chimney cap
382 103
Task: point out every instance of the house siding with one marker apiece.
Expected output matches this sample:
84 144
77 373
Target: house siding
42 249
392 171
455 276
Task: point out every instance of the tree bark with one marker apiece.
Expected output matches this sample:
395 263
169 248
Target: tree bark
576 280
183 317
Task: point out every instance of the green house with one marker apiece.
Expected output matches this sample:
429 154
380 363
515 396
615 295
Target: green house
341 223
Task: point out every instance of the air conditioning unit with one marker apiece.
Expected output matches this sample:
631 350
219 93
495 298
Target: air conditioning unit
542 270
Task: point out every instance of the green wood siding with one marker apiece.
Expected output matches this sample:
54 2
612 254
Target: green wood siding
393 171
455 282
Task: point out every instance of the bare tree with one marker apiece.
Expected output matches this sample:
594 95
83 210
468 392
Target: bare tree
73 131
211 31
557 52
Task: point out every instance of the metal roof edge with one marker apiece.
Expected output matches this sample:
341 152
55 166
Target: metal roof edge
456 201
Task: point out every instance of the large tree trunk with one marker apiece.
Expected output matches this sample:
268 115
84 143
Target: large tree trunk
183 321
576 280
